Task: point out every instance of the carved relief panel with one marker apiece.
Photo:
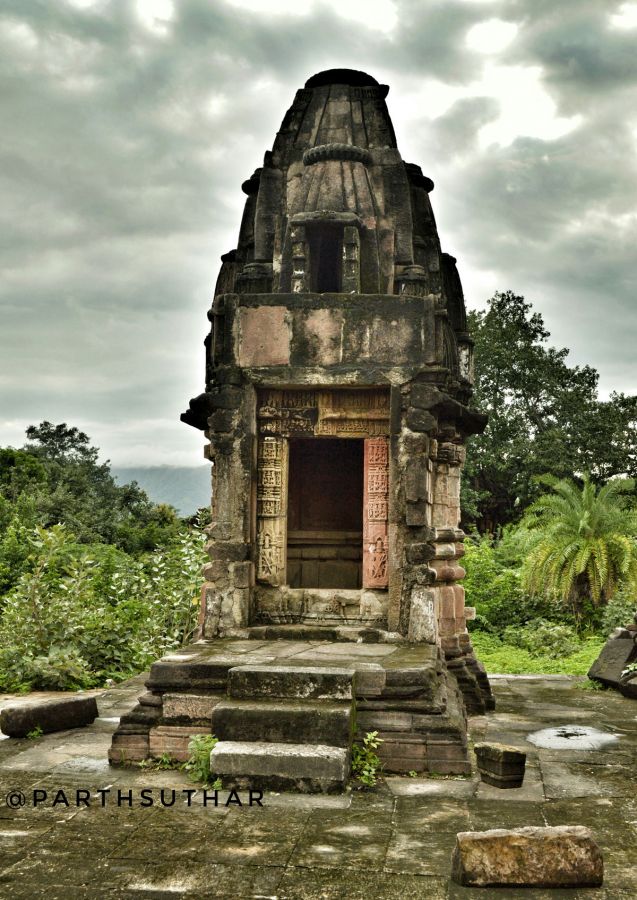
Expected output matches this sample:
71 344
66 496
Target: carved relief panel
272 499
335 413
375 513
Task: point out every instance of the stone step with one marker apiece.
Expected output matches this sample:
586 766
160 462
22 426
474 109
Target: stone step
284 721
290 682
259 765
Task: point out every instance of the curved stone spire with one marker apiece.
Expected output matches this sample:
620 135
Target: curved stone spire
335 179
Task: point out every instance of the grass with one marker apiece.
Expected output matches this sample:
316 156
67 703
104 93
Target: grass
505 659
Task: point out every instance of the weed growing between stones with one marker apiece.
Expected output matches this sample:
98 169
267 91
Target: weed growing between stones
160 763
198 763
366 764
35 733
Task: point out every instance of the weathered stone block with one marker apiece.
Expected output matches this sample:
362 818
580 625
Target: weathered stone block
191 708
264 336
422 619
243 574
128 748
307 683
420 420
564 856
415 514
500 765
613 659
425 396
18 719
170 739
284 721
418 553
272 765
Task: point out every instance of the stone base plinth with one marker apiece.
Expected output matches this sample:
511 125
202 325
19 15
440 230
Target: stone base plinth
403 691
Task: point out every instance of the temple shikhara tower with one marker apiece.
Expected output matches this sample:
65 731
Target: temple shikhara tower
337 405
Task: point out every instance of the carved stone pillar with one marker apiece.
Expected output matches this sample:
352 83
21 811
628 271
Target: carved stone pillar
299 259
375 505
272 502
351 280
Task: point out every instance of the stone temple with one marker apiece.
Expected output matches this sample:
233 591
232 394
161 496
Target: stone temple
338 384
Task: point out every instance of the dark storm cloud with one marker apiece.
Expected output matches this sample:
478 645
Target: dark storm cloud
124 149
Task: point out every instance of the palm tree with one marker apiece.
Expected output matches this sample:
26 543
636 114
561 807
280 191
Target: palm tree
584 541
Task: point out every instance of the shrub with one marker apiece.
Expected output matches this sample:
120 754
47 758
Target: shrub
543 638
496 590
619 611
80 614
198 764
365 761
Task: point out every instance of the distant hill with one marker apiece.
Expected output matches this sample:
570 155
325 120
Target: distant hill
185 487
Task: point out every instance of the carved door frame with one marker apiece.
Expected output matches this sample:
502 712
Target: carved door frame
348 413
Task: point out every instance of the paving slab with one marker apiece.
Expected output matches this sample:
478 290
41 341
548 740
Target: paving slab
394 841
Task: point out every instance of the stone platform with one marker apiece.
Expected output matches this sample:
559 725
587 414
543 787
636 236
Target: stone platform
390 843
300 699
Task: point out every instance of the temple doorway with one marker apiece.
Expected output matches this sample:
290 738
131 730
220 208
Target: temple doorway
325 513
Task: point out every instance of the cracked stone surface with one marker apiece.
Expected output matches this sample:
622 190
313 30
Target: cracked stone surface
393 842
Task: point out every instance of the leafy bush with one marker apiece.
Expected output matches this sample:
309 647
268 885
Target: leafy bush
79 614
619 611
496 592
198 764
543 638
365 761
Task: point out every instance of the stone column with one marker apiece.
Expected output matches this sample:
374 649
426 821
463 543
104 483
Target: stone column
229 576
300 275
351 280
448 458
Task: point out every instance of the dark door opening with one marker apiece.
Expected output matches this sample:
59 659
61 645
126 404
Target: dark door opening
326 257
325 513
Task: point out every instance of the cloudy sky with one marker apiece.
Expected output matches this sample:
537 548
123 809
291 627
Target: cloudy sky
129 125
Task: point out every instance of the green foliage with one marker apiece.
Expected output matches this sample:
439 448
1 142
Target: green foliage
80 614
501 658
619 610
544 416
57 478
35 733
365 761
198 764
160 763
495 589
630 669
585 542
543 638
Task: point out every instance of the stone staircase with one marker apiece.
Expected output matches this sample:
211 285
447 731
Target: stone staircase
285 728
281 700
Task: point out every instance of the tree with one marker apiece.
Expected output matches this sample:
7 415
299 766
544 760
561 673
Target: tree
585 543
57 478
544 417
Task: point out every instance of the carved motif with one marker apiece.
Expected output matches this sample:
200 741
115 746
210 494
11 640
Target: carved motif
338 413
376 486
379 560
271 510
